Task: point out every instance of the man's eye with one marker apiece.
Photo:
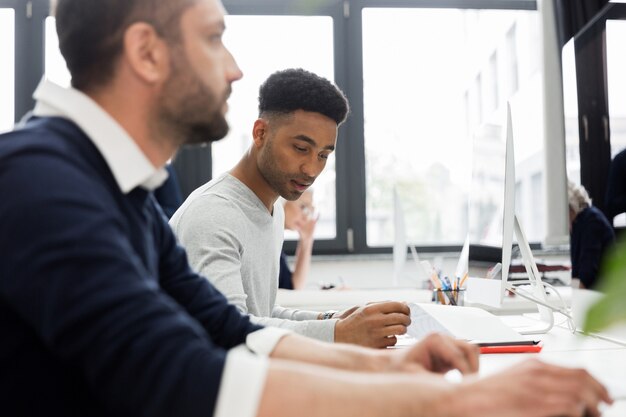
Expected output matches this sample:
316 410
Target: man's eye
300 149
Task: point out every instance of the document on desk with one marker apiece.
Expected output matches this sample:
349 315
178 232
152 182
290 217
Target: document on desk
465 323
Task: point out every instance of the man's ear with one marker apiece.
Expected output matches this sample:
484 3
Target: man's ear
259 132
146 53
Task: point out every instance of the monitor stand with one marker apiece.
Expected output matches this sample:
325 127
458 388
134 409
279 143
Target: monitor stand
538 290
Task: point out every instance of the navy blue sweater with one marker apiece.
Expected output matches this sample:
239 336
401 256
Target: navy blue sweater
99 311
590 237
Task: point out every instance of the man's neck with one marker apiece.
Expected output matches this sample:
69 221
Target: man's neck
135 119
248 173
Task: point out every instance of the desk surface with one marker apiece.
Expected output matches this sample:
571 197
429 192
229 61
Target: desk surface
604 359
337 299
607 365
321 300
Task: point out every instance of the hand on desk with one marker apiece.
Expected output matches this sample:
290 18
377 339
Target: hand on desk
409 382
436 353
533 389
374 325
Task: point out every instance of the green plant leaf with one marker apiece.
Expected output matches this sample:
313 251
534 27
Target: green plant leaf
612 307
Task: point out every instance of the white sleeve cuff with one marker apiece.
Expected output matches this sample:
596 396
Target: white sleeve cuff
243 380
264 341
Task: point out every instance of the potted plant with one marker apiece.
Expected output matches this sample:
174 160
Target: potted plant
611 308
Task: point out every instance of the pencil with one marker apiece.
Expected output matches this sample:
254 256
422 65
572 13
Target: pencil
511 349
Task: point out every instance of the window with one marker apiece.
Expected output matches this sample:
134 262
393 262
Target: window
616 68
7 69
54 64
419 98
279 42
570 107
427 87
511 53
492 76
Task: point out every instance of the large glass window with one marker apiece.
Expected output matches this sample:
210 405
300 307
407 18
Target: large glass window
7 69
54 64
436 83
616 68
279 42
570 109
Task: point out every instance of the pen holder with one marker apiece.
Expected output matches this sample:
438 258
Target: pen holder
449 297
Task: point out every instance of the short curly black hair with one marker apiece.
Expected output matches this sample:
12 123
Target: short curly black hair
296 89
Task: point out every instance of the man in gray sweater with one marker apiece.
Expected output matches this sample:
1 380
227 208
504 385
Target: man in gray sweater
232 226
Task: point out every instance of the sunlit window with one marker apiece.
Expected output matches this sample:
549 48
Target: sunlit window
570 108
436 83
616 68
54 64
279 42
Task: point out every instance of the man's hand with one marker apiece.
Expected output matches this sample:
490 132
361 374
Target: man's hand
436 353
532 389
374 325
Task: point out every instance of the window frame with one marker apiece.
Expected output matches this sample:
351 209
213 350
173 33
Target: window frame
593 108
348 50
29 49
335 10
350 154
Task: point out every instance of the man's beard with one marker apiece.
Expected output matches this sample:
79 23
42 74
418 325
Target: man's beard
278 180
189 109
199 133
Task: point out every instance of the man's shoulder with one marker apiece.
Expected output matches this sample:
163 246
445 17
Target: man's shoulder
208 208
222 193
227 188
43 137
49 156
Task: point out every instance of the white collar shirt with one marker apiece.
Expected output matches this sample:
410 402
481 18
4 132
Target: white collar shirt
130 166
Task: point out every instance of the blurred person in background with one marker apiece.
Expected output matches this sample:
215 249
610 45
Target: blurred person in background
590 235
300 217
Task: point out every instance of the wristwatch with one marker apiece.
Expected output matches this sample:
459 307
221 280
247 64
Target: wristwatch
328 314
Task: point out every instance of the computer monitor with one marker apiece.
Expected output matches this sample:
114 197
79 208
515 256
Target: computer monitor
492 292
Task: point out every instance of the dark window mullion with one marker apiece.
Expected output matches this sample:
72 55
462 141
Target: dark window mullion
29 52
591 81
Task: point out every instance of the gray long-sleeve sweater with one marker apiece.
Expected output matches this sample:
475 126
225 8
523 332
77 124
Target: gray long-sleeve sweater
233 240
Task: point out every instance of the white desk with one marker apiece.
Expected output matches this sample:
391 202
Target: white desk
337 299
604 359
606 364
322 300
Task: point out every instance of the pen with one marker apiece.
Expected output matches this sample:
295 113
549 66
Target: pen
507 343
511 349
463 280
451 296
